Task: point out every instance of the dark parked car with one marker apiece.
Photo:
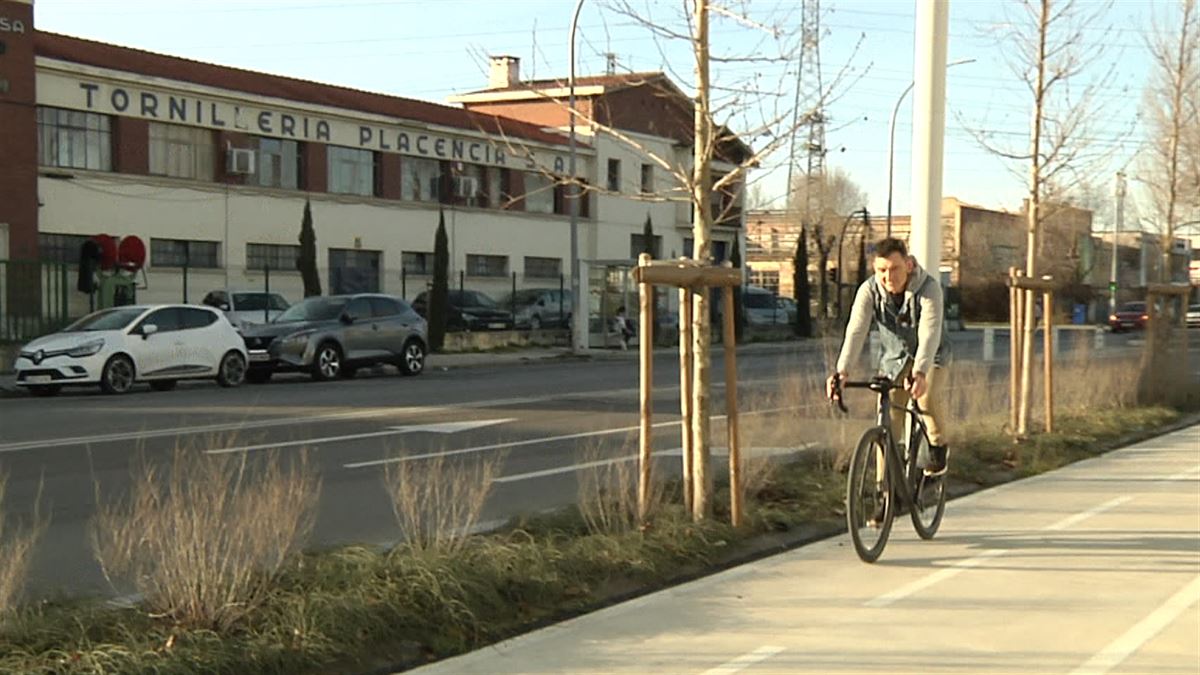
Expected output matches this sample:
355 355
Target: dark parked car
333 336
538 308
469 310
1130 316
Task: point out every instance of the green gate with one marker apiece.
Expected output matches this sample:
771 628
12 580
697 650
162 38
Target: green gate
34 298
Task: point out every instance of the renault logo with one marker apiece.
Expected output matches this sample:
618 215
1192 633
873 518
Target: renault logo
38 356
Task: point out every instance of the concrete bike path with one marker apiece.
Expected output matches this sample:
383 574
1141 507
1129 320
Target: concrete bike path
1093 568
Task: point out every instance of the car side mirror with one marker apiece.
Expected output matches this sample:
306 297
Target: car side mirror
223 306
148 330
346 318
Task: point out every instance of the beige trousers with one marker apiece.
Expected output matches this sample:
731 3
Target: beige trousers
931 405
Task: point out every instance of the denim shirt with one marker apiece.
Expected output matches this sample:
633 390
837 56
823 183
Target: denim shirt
913 330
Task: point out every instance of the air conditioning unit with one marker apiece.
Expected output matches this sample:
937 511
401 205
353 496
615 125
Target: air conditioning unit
466 186
239 161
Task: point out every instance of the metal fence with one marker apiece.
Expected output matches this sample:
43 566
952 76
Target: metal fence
35 298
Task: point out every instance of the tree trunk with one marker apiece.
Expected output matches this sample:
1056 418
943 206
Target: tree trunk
702 335
1035 191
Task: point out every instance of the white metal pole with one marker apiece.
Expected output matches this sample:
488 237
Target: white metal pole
929 129
579 310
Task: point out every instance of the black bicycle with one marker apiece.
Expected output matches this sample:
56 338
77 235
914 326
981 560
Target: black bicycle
872 487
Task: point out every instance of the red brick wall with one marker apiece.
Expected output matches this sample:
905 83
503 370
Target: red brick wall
18 135
132 146
316 167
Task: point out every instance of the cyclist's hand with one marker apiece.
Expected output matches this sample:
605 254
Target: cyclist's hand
831 385
917 385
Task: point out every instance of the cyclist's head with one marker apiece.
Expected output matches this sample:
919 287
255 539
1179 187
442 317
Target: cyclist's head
892 265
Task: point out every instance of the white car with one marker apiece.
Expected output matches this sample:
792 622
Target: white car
247 308
1193 316
114 348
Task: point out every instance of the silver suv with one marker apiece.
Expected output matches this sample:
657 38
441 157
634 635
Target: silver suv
333 336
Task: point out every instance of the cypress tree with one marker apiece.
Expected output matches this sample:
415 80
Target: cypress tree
800 283
306 262
439 296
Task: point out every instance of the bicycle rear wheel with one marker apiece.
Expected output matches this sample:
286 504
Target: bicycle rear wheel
929 493
870 503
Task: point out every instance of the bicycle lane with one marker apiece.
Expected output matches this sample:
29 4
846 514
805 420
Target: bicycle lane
1094 568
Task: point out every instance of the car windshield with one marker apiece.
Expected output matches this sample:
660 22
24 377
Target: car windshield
257 302
106 319
1134 307
313 309
475 299
759 301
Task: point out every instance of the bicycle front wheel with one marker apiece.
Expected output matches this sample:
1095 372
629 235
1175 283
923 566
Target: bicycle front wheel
870 506
929 494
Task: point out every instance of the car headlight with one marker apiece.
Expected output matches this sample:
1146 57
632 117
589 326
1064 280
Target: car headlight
296 339
87 348
467 316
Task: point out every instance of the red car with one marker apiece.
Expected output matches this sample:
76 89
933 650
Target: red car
1130 316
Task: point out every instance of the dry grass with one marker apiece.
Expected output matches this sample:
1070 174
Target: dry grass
16 551
438 501
608 489
200 537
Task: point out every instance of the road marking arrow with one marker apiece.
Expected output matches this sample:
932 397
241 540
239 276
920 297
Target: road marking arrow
437 428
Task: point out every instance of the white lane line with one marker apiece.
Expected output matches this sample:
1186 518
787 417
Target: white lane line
745 661
437 428
244 425
1120 649
1080 517
545 439
1184 475
628 458
963 565
937 577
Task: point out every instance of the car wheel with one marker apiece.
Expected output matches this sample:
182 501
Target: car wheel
412 360
327 362
44 390
535 322
118 375
163 385
232 371
258 376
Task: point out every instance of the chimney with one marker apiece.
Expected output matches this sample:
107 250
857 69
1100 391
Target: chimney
505 72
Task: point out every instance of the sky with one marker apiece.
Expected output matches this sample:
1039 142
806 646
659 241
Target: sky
432 49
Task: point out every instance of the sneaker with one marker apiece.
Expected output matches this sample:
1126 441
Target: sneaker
937 460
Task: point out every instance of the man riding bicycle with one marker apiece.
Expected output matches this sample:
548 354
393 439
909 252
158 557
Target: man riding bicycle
905 304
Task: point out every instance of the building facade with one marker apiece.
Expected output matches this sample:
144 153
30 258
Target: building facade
212 168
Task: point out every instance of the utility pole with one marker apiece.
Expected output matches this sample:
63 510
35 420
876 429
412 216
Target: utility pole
1113 281
929 131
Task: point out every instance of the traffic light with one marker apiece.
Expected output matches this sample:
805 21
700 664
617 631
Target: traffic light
1112 287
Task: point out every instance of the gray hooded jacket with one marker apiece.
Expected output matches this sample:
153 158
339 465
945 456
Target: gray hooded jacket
914 331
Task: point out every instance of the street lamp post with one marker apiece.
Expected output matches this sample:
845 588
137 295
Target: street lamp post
579 311
892 142
841 239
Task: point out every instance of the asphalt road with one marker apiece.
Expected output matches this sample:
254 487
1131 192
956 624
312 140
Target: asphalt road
1091 569
538 417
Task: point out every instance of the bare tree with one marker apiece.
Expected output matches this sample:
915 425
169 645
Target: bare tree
838 196
1171 108
1048 45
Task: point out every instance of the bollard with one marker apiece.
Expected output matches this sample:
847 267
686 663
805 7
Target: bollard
989 344
1098 339
1058 335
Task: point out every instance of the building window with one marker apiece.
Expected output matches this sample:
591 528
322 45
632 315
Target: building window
60 248
469 185
278 164
543 268
273 256
637 246
183 253
487 265
495 187
351 171
647 179
74 140
768 279
539 193
417 262
181 152
614 175
422 179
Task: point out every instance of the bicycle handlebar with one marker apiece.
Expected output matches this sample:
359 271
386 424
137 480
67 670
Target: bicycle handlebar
878 384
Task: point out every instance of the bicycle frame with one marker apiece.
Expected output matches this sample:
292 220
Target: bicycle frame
894 461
